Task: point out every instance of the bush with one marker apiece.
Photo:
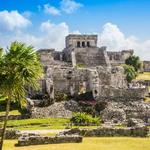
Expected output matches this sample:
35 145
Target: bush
59 96
84 119
135 62
129 72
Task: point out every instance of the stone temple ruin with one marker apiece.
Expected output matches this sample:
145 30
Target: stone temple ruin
84 67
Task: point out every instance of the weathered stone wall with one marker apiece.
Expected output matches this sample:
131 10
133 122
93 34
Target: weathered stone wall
37 140
46 56
117 58
11 134
91 57
74 39
109 132
122 94
121 111
146 66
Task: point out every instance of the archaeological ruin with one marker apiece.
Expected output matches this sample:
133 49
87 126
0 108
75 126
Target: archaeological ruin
82 68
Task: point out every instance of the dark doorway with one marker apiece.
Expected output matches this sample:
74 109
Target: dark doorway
78 44
88 44
83 44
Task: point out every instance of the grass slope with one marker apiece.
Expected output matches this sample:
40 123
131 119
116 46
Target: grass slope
143 76
113 143
39 124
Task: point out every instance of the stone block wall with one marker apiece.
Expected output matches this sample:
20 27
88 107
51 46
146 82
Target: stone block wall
146 66
118 58
122 94
38 140
11 134
91 57
110 132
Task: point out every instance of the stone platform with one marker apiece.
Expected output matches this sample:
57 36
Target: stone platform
110 132
26 140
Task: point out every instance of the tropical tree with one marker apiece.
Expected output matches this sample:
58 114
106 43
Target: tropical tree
129 72
135 62
19 67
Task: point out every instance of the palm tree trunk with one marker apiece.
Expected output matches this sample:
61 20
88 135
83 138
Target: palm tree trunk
5 123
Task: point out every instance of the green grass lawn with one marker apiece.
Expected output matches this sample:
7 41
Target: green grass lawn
113 143
41 124
143 76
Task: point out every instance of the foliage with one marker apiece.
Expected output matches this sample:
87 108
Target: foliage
80 66
130 72
19 68
84 119
59 96
135 62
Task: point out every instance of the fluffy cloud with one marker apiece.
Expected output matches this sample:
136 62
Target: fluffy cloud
67 6
51 35
51 10
70 6
54 34
12 20
115 40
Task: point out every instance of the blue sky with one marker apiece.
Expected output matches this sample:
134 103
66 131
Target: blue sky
116 22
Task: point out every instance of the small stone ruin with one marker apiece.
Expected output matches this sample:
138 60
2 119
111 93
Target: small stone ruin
109 132
27 139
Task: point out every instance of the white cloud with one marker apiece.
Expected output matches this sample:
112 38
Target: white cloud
12 20
54 34
51 10
115 40
51 35
70 6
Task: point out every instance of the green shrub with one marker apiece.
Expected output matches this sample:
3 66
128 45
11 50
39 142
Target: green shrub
130 72
80 66
84 119
135 62
59 96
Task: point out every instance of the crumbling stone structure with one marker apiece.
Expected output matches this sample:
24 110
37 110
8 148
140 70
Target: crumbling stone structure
109 132
118 58
26 139
146 66
81 65
84 67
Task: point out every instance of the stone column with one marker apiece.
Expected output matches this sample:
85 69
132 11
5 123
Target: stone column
73 57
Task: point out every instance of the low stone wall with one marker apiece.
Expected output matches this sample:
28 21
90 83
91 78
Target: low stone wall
37 140
15 117
110 132
122 94
11 134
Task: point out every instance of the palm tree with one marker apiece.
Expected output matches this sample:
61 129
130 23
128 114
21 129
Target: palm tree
19 67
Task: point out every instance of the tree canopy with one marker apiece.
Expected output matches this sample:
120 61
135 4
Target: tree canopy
19 67
130 72
134 61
